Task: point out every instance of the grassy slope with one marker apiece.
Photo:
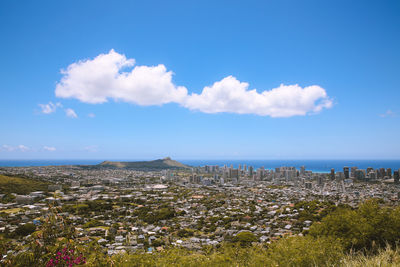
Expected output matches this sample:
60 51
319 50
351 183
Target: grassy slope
20 185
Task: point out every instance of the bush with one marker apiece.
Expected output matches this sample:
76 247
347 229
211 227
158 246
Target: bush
245 238
368 227
185 232
26 229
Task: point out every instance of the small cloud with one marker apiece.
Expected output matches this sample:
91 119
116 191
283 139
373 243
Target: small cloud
49 148
70 113
49 108
388 113
91 148
23 148
7 148
91 115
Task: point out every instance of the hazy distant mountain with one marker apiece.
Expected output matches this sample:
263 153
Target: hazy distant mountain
166 163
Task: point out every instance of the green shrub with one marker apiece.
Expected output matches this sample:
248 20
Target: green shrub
245 238
26 229
371 226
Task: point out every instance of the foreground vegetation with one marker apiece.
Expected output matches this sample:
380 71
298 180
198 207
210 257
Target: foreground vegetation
366 236
288 252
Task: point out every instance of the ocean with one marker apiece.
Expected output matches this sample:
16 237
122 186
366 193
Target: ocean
313 165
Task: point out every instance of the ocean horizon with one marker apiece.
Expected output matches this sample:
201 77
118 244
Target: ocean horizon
313 165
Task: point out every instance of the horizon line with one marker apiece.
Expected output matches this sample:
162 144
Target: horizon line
157 158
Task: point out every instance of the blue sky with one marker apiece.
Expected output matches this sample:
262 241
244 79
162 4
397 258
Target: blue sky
342 55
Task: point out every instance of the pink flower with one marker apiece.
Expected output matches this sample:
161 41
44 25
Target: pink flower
50 263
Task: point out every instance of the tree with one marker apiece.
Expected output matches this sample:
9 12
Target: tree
245 238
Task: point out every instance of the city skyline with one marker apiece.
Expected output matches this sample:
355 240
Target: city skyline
200 80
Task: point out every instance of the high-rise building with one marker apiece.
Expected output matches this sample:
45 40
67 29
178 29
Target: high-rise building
389 172
359 174
234 174
372 175
396 176
207 168
216 177
251 170
353 172
382 173
193 178
278 173
260 173
332 175
346 172
320 180
339 176
302 170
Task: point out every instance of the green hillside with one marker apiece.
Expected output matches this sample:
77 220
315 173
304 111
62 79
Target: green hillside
159 164
21 186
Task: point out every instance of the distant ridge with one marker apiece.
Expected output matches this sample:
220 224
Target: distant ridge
165 163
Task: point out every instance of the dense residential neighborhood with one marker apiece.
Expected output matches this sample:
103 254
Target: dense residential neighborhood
127 210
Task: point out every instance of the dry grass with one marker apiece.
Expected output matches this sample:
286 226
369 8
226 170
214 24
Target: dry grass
388 257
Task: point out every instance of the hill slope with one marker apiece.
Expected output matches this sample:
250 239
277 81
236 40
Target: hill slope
19 185
166 163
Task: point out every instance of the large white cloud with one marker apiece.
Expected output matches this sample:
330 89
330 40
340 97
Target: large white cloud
97 80
107 77
231 95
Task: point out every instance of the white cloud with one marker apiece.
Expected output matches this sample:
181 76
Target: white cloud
7 148
231 95
49 108
49 148
97 80
70 113
91 149
91 115
102 78
388 113
23 148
